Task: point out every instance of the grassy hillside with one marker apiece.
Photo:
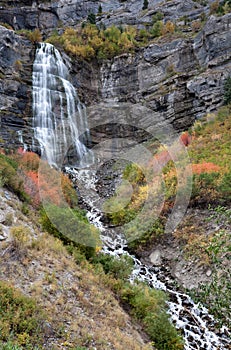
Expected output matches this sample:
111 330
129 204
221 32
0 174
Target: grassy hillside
50 299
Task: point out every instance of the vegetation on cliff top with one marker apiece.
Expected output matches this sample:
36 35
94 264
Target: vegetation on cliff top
90 41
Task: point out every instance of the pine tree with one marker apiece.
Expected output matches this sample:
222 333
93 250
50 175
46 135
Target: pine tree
91 18
145 5
100 10
227 91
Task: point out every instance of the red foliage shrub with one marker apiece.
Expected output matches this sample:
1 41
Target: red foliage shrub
49 186
185 138
31 187
28 160
163 158
20 150
42 187
205 168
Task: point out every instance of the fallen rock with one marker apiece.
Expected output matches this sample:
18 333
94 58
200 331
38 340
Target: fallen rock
155 257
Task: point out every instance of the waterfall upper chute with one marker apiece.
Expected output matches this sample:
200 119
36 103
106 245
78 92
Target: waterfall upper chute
59 118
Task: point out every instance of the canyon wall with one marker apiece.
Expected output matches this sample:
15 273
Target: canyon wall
175 79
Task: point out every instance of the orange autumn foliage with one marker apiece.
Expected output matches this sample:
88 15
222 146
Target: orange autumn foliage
31 187
49 186
185 138
28 160
163 158
159 160
205 168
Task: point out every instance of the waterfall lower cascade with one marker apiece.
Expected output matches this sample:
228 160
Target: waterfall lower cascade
194 320
59 118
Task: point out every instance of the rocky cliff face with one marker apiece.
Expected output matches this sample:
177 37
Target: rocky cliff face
16 60
167 83
49 14
174 80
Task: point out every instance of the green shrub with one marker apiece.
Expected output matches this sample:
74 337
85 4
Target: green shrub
10 346
9 219
91 42
6 25
100 10
35 36
141 231
158 16
9 177
21 236
134 174
149 306
9 160
20 318
119 267
216 296
224 187
205 187
156 30
71 226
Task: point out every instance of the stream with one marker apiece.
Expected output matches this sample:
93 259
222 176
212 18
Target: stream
195 322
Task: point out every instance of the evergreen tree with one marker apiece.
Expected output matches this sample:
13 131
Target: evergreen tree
227 91
100 10
145 5
91 18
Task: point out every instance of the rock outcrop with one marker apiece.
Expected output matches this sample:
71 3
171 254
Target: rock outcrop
16 61
178 81
51 14
46 14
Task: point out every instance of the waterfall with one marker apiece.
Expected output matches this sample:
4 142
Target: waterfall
59 118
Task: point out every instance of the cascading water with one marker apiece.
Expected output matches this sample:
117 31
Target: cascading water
59 118
193 319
